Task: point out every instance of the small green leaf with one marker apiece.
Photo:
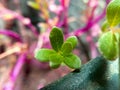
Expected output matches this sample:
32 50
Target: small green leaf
113 12
105 26
56 38
73 40
33 5
72 61
56 58
66 48
43 54
54 65
108 46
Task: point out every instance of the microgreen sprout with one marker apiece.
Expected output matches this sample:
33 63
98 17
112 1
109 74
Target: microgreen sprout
109 41
61 52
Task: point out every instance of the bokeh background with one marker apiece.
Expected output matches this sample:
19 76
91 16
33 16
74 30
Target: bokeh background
25 27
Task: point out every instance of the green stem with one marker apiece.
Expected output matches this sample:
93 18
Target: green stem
119 58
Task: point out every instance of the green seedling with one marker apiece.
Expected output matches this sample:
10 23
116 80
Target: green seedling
109 41
61 52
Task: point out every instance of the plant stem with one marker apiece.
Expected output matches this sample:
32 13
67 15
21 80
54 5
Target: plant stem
21 18
64 14
15 72
119 58
20 62
12 34
91 21
84 48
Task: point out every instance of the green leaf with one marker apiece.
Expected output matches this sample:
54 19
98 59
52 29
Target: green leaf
105 26
73 40
56 38
113 12
56 58
72 61
54 65
66 48
33 5
43 54
108 46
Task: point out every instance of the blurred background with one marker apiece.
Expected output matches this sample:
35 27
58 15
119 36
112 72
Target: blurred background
25 27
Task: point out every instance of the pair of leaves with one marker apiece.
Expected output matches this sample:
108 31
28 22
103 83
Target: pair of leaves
57 40
113 18
69 45
62 52
108 42
45 55
108 45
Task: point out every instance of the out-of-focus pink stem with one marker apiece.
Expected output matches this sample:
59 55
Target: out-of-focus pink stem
12 34
15 72
90 23
64 15
94 6
29 24
20 18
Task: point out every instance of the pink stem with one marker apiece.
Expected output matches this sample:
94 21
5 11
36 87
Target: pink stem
15 72
20 18
12 34
64 15
90 24
34 30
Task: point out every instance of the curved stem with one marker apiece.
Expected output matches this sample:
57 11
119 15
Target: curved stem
12 34
91 23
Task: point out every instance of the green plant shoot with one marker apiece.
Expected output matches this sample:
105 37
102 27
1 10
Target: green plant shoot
108 42
62 51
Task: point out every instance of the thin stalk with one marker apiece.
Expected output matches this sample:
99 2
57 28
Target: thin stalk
15 72
91 22
12 34
84 48
119 58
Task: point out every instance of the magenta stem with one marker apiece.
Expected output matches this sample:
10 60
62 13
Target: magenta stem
63 15
30 26
91 22
21 18
11 34
15 72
